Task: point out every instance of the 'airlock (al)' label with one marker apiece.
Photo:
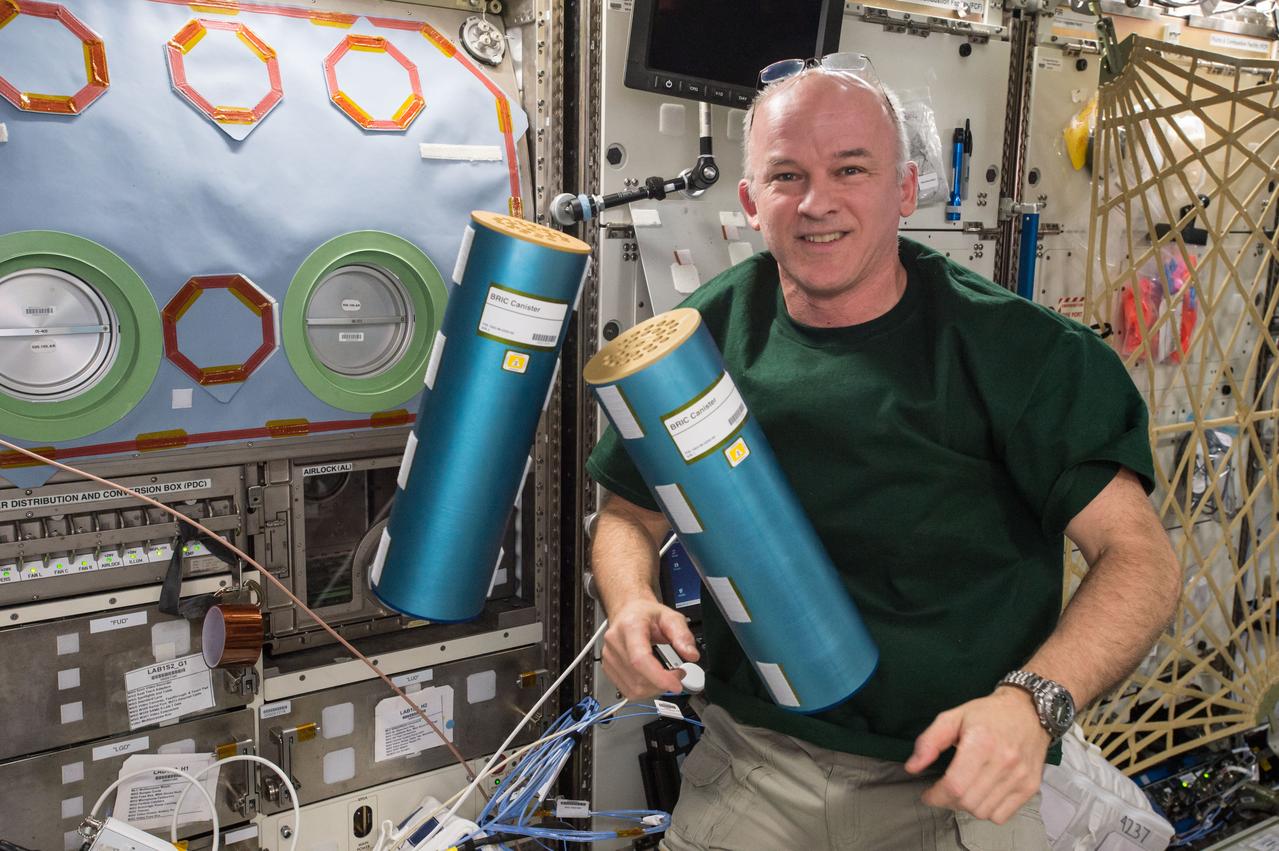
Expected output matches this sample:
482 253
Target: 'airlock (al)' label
707 422
521 319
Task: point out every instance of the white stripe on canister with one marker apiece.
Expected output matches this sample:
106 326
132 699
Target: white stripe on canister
619 412
730 601
410 448
433 365
379 560
463 254
678 509
777 683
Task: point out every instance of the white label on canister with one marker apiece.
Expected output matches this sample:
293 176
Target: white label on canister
678 509
379 560
463 254
433 365
777 683
351 305
406 463
168 690
707 422
102 752
521 319
730 601
350 336
118 622
619 412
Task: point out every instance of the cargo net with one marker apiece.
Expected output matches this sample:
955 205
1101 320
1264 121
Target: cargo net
1181 276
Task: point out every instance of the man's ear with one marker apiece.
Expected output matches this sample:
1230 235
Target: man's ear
909 189
748 203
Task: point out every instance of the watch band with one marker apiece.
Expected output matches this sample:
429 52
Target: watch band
1044 693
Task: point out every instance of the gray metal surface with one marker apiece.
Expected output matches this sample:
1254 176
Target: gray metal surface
37 696
58 335
359 320
479 727
46 796
76 538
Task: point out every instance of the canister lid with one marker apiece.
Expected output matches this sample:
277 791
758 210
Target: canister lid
646 343
531 232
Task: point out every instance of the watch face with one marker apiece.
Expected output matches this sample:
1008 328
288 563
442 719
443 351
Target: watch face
1061 710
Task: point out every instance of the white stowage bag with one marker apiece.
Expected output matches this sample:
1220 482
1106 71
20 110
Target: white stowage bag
1089 805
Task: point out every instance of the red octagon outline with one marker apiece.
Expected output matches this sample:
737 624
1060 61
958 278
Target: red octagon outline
95 61
408 111
185 40
248 294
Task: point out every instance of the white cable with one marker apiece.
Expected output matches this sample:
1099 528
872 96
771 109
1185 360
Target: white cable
293 793
399 835
191 781
413 823
388 829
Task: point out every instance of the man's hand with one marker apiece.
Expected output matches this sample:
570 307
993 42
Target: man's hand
628 648
999 755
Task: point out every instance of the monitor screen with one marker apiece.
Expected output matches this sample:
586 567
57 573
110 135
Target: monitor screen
714 49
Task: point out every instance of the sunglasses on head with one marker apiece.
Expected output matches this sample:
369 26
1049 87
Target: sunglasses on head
857 64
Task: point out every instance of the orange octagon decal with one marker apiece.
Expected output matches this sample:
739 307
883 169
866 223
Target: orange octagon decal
409 110
247 293
186 40
95 61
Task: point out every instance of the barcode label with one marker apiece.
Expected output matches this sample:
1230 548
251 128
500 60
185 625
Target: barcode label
545 338
38 311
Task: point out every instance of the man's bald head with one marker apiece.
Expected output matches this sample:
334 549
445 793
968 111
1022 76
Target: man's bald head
810 76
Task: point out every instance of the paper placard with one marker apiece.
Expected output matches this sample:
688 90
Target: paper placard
117 621
521 319
121 748
168 691
147 802
399 731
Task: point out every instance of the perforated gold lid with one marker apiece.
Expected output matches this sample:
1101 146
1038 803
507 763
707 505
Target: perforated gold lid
531 232
649 341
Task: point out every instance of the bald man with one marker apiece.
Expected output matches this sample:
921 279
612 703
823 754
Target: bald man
942 435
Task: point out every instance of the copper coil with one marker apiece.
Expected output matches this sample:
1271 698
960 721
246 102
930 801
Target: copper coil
232 635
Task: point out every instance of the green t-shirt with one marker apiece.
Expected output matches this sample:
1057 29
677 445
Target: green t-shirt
939 450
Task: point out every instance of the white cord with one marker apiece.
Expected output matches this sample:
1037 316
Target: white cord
213 812
293 793
415 822
388 828
410 826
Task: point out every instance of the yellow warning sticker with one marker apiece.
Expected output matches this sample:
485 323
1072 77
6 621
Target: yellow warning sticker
515 362
737 452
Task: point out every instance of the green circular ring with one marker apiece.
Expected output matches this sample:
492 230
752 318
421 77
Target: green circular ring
137 358
426 291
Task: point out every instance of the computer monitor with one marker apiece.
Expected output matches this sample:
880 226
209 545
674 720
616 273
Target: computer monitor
713 50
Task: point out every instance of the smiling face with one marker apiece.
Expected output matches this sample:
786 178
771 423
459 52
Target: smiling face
824 190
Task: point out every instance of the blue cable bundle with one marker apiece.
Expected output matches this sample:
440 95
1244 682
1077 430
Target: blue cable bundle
664 387
489 378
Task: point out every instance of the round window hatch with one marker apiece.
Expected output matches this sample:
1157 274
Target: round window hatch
359 320
58 335
79 336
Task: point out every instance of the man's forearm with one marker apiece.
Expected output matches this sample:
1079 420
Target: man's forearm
624 552
1125 602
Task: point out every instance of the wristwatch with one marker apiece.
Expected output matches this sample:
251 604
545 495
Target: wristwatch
1053 702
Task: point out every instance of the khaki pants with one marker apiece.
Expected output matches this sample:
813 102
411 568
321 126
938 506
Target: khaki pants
750 789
